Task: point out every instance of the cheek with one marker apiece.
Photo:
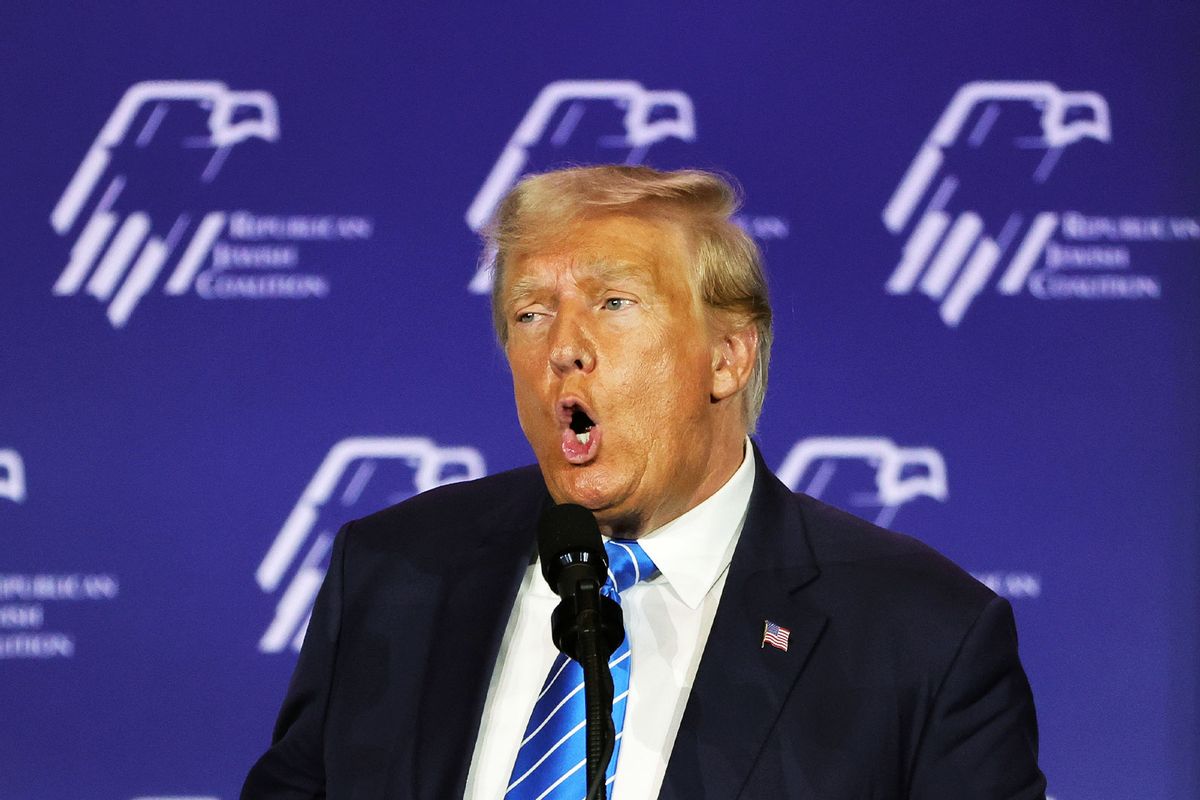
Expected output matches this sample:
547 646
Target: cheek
665 389
685 375
526 400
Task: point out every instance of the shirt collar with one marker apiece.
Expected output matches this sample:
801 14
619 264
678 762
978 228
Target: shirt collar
694 549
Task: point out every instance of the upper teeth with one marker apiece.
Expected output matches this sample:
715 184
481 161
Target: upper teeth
584 437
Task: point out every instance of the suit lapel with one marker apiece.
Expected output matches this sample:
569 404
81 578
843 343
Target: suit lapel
475 607
741 685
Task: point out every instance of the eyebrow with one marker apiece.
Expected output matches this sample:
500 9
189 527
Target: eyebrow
522 288
600 270
608 271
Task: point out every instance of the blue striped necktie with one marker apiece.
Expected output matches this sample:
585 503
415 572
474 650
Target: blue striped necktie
551 761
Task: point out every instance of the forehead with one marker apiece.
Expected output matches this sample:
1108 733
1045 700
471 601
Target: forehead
647 250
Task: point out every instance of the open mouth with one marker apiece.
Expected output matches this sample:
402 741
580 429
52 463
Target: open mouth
580 433
581 424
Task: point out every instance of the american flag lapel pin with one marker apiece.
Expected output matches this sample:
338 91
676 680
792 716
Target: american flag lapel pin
775 635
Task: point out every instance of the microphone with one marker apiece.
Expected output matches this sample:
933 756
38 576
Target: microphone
575 565
586 625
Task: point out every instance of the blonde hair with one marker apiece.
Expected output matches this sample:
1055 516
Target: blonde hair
726 263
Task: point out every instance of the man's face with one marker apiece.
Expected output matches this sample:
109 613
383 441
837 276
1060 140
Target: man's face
615 370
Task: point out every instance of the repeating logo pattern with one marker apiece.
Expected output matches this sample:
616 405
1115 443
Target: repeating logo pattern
951 257
12 476
142 201
233 117
592 121
899 475
358 476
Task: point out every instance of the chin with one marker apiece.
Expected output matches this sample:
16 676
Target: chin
609 503
589 486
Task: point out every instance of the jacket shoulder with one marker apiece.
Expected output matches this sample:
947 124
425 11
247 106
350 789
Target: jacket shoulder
888 566
506 501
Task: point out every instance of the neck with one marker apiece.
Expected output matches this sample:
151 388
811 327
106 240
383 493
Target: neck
724 458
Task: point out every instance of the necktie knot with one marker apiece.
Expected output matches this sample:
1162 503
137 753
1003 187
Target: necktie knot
627 564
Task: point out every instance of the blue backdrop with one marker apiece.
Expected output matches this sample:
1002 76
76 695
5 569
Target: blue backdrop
239 305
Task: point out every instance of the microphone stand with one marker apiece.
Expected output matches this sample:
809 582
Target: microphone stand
587 627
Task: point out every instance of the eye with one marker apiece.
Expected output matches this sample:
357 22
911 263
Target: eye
525 316
617 304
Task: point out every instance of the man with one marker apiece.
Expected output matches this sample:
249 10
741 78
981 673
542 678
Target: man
779 647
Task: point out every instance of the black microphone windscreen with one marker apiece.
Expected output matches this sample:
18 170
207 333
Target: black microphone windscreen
568 530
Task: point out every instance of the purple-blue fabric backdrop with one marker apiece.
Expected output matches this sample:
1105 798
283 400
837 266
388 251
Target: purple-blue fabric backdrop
239 304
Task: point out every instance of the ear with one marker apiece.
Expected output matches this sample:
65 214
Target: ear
734 352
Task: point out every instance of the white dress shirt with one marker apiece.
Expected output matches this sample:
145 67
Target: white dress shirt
667 620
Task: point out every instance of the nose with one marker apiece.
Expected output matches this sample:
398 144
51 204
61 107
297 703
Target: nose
571 347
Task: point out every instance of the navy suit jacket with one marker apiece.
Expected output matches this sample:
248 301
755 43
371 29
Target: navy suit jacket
901 679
